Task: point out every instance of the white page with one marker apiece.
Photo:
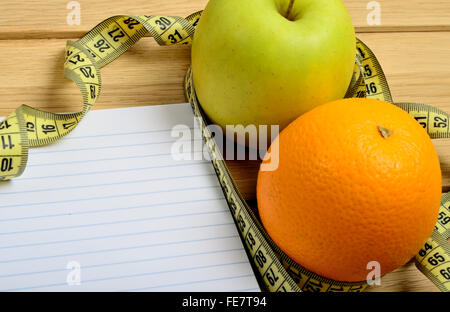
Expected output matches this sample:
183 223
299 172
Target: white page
108 209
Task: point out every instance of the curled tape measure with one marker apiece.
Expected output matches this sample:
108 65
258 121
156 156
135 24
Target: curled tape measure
29 127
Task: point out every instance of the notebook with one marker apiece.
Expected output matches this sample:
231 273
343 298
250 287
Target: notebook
108 208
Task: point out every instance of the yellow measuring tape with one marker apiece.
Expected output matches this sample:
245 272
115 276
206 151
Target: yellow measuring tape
29 127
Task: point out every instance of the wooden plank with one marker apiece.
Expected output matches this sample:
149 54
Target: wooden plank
415 65
48 19
401 15
405 279
146 75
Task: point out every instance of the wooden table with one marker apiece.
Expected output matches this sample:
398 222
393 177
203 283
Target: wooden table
412 44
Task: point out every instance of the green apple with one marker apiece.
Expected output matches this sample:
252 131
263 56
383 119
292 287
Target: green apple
266 62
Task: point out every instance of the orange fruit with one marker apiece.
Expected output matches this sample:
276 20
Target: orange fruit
358 180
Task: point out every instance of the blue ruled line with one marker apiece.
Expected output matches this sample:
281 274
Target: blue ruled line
111 196
105 223
112 209
117 134
116 249
104 159
112 147
108 184
113 171
139 275
86 267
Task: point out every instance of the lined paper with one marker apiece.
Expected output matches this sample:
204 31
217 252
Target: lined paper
109 209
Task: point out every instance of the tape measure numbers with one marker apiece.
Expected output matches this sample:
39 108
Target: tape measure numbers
277 270
434 258
29 127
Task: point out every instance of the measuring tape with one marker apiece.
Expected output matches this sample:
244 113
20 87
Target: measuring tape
28 127
434 258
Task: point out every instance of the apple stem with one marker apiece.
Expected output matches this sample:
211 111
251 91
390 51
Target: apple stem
291 5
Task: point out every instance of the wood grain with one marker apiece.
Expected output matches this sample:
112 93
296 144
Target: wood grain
48 19
415 65
412 44
405 279
402 15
